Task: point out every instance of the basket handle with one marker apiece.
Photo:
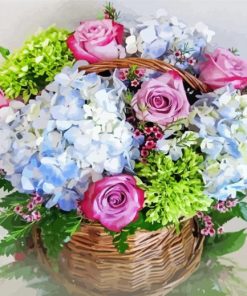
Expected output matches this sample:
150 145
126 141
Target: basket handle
158 65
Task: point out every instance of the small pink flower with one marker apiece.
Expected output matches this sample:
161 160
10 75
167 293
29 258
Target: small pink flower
150 145
28 218
200 215
36 215
192 61
135 83
4 102
223 67
231 203
18 210
37 199
161 100
122 74
140 72
30 206
209 223
113 201
158 135
207 218
178 54
148 130
144 153
221 207
220 230
211 231
205 231
137 133
97 40
155 129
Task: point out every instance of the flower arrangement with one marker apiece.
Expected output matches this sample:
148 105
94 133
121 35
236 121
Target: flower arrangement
131 149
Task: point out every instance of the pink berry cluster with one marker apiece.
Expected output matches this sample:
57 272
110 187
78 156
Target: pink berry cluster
151 135
225 206
133 75
30 212
178 54
209 227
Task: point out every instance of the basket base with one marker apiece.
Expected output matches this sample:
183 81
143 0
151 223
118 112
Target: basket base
97 272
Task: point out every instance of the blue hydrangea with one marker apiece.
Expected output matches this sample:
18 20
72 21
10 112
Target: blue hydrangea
73 134
221 119
170 40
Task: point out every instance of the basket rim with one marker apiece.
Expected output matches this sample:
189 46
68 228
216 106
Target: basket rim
152 64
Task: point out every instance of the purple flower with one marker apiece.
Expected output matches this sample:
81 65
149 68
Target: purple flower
161 100
113 201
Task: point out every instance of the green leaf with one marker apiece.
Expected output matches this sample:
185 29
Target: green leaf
56 228
241 195
120 238
13 199
4 52
5 185
10 246
18 233
243 210
225 243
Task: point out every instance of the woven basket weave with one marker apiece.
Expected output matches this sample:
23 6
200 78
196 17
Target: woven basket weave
155 262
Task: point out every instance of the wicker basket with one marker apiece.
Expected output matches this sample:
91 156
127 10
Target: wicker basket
155 262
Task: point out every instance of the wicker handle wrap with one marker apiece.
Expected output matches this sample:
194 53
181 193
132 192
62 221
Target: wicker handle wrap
147 64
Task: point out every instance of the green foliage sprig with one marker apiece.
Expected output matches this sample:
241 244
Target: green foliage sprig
18 230
4 52
120 238
30 69
173 190
110 12
56 226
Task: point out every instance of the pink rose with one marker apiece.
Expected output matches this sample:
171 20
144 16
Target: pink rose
114 201
99 40
223 67
161 100
4 102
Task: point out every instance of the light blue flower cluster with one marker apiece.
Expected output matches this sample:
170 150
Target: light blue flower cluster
221 118
169 40
21 129
85 136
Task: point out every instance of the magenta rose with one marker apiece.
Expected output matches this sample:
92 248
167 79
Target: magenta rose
96 41
223 67
161 100
4 102
113 201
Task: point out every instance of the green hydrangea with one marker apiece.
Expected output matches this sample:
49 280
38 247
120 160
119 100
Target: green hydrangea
32 67
174 189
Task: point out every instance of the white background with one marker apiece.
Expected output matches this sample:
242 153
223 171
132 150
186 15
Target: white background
21 18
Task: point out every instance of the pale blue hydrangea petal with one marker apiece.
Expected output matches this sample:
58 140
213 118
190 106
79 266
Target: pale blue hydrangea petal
156 49
67 200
